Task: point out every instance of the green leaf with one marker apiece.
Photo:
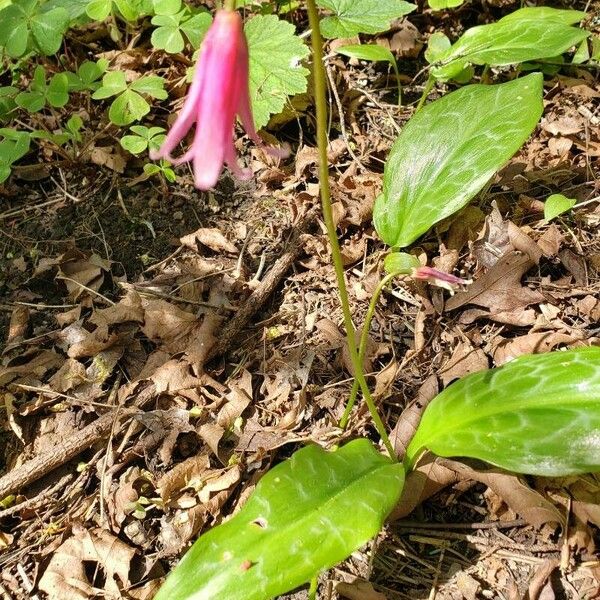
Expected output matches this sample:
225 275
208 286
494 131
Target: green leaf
305 515
113 83
14 32
152 85
275 65
87 76
449 150
195 28
13 146
167 36
58 90
166 7
7 100
444 4
48 29
556 205
400 263
525 35
129 10
127 108
539 414
437 45
98 10
134 143
372 52
361 16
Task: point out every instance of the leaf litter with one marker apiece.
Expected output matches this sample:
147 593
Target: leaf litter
111 520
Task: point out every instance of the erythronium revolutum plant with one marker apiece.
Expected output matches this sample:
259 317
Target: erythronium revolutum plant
538 414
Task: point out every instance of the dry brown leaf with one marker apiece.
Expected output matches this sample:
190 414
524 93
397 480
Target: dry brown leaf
427 479
533 343
551 241
181 476
211 237
65 577
500 290
80 271
19 324
358 590
408 422
541 580
518 496
36 367
464 360
129 308
109 157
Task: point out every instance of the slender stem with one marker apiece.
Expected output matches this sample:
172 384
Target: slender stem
229 4
364 340
312 590
321 105
428 87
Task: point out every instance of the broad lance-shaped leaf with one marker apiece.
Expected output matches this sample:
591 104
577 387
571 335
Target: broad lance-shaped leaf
306 515
539 414
524 35
449 150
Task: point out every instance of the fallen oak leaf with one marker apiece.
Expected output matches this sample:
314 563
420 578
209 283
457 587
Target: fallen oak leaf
500 289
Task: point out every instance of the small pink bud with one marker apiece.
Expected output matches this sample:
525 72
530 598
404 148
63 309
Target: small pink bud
218 93
439 278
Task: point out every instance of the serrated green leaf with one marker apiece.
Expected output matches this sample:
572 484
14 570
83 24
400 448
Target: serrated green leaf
48 29
361 16
449 150
306 515
113 83
556 205
275 65
525 35
127 108
539 414
152 85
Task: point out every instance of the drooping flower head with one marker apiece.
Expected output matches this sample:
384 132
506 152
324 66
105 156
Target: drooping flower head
219 92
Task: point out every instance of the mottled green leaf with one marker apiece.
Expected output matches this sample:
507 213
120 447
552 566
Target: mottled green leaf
48 29
306 515
449 150
539 414
361 16
525 35
276 71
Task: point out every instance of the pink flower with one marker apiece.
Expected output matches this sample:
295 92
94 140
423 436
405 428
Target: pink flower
218 93
439 278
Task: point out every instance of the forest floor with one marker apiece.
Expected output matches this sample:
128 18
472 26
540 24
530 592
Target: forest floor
118 293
